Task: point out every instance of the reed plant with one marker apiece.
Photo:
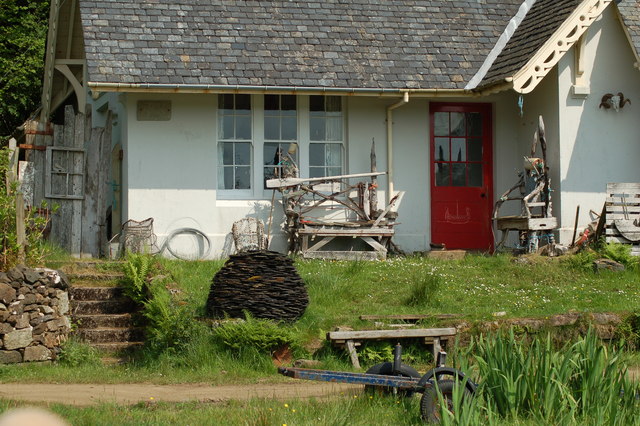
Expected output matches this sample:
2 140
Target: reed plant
584 382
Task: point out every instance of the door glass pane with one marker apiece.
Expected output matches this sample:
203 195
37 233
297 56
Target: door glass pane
475 174
441 124
474 150
474 123
442 149
442 174
457 124
458 149
458 174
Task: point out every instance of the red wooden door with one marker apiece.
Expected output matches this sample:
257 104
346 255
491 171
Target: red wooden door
461 175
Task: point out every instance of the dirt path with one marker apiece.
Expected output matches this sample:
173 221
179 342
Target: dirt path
89 394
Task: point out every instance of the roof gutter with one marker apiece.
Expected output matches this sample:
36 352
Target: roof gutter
97 88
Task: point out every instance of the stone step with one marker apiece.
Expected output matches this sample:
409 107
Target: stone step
114 348
95 293
103 320
94 276
103 307
110 335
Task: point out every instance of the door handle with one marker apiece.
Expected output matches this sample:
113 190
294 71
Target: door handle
483 195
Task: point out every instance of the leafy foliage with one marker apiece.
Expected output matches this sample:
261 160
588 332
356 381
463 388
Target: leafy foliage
583 380
621 253
35 249
22 43
75 354
169 326
263 335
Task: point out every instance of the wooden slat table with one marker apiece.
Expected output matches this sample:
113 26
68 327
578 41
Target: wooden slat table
377 238
351 339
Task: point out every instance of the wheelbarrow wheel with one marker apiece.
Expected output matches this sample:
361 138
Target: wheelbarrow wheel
430 402
386 369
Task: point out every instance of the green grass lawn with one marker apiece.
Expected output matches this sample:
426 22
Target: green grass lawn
339 292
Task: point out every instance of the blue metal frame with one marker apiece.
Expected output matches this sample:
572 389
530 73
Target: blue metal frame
401 383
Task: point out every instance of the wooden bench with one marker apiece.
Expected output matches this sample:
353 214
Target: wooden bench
351 339
376 238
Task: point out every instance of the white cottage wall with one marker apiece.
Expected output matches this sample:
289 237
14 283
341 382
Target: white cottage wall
597 145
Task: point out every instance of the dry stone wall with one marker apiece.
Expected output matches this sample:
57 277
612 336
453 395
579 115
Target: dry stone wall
34 314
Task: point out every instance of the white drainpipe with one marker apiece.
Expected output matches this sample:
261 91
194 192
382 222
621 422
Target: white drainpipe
390 109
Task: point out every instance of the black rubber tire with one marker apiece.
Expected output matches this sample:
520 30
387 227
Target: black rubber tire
430 404
386 369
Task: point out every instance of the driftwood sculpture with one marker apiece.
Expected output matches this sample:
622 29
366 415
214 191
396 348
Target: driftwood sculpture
536 221
323 209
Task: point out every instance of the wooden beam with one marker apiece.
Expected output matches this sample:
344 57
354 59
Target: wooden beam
281 183
408 317
391 334
353 354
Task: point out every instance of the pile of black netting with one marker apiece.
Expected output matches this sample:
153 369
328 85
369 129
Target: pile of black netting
264 283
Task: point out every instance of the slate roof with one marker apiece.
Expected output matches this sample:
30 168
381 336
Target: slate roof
544 18
630 13
386 44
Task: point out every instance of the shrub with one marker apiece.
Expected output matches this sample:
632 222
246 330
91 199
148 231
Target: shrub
10 251
620 253
263 335
424 290
75 354
169 326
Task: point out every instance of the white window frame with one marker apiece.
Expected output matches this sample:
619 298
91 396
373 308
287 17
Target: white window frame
258 192
246 193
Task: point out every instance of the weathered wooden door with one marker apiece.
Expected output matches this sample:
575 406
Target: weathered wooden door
461 175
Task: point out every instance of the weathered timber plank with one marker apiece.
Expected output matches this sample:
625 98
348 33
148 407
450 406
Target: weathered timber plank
344 255
618 187
278 183
90 228
353 354
351 232
374 244
318 245
391 334
104 177
408 317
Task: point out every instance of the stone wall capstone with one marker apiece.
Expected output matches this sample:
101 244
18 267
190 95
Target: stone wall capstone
34 314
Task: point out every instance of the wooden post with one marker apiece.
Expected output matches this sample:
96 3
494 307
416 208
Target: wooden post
373 187
351 347
21 235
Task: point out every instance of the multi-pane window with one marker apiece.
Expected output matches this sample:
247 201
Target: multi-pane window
234 142
326 136
280 149
458 148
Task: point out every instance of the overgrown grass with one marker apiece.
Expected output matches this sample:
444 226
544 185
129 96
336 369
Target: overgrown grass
341 291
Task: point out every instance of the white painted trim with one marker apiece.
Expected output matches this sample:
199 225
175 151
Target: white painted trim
525 80
504 38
